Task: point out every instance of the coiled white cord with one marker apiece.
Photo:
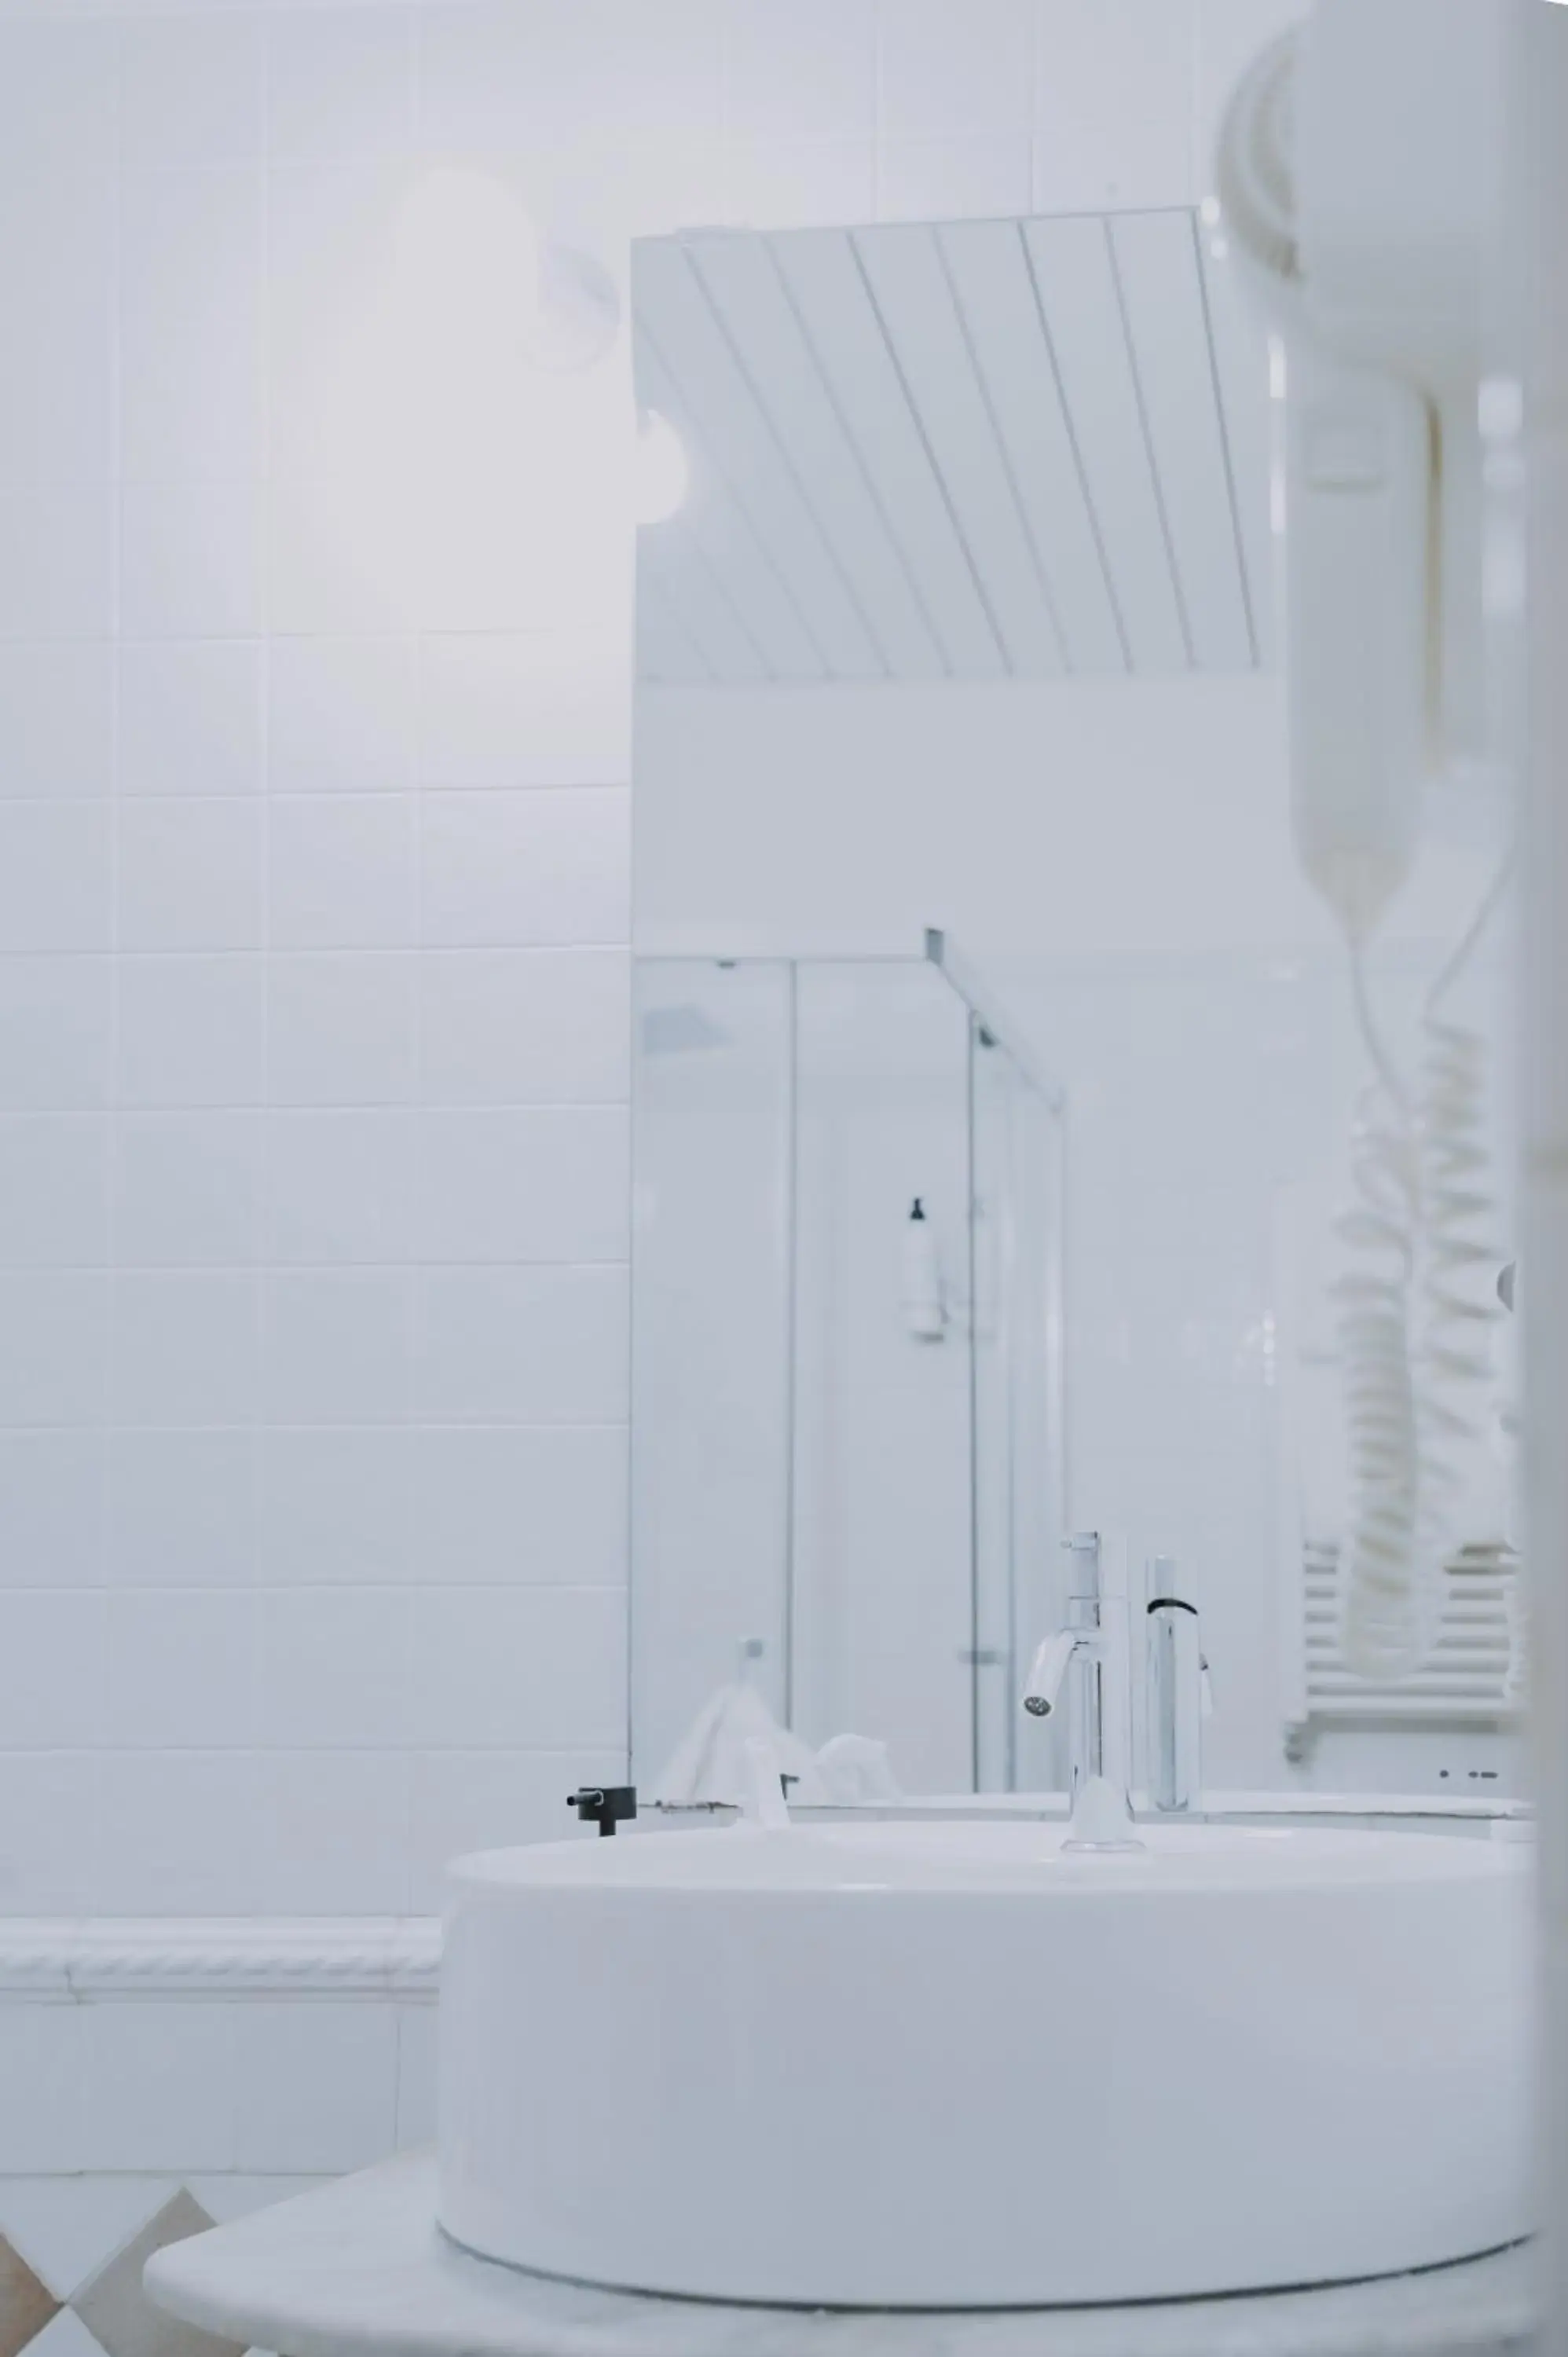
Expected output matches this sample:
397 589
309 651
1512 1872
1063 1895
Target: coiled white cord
1419 1229
1380 1637
1461 1255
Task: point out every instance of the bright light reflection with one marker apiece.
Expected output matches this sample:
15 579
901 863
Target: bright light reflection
662 471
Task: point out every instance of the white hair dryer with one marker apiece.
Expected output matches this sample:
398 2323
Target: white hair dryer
1359 172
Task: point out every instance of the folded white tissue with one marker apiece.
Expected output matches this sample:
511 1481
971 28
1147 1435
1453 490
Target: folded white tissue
711 1761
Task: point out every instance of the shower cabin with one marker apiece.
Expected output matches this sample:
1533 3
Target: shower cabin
848 1421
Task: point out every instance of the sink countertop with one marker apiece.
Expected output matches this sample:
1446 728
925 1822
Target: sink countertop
360 2269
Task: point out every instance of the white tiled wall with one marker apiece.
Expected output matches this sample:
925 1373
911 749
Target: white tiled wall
314 861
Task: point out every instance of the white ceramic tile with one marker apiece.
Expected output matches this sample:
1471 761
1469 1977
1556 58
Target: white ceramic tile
642 188
209 1811
566 69
550 709
342 1029
339 81
57 720
190 563
190 874
803 183
51 1509
520 1667
511 1505
801 68
342 717
54 1345
53 1669
192 1031
1230 33
182 1509
532 1186
340 1505
187 1347
66 2229
337 1347
183 1669
342 552
48 1850
54 875
319 2085
190 716
334 1834
186 1188
333 1669
190 325
343 872
1113 104
496 1800
193 88
57 397
55 1033
57 562
342 1187
43 2121
525 1345
346 303
53 1196
417 2027
163 2084
520 529
64 2335
949 70
520 870
60 89
967 179
522 1027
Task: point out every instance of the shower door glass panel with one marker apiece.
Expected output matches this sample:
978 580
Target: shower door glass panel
711 1110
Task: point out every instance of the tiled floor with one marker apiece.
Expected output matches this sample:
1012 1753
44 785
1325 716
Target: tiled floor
51 2309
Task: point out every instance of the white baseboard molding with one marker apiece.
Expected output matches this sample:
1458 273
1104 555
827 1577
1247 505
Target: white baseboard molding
74 1959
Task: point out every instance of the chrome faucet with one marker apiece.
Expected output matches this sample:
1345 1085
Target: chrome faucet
1091 1654
1178 1691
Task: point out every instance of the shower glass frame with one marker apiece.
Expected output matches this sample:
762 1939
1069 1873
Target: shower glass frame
1009 1324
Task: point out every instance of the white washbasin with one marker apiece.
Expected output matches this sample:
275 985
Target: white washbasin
955 2066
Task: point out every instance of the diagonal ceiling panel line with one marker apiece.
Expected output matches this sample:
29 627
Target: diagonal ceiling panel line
698 558
786 586
1076 447
749 378
940 478
1036 554
1177 588
1226 451
851 441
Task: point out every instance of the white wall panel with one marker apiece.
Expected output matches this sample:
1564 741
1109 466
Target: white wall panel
744 282
1073 269
1013 352
1004 446
913 293
732 411
730 544
824 275
1162 290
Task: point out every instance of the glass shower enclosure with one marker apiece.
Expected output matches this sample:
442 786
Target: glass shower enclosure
847 1421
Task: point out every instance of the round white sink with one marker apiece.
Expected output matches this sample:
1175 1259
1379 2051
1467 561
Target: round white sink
958 2066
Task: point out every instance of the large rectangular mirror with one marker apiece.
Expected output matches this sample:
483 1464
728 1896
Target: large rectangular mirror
962 877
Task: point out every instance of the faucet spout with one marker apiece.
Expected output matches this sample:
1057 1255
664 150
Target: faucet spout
1091 1656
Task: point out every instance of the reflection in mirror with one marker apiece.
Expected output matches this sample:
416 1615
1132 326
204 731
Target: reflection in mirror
956 616
847 1443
